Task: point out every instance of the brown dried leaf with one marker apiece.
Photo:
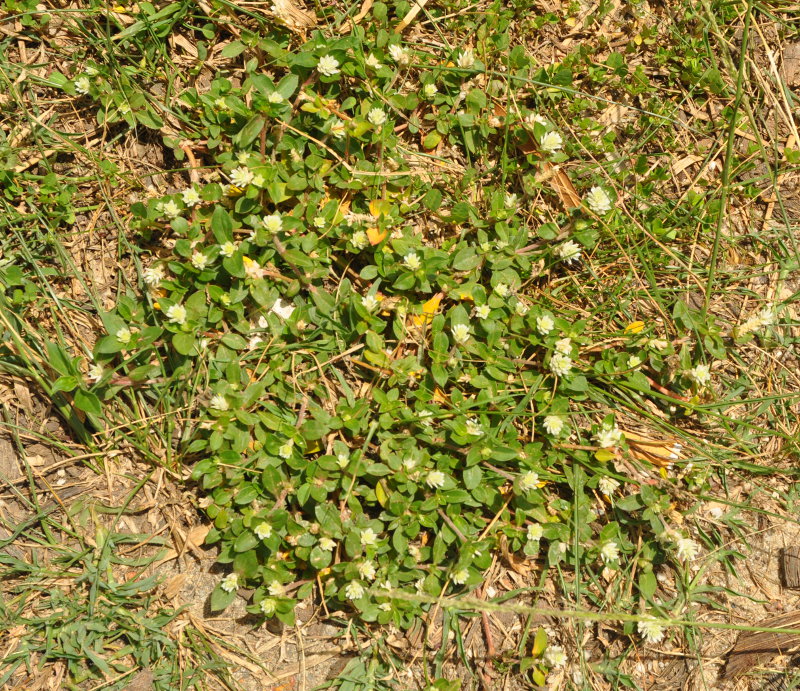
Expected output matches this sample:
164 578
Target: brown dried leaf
756 647
561 184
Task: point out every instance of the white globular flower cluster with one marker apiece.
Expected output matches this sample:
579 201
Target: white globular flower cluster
545 324
466 59
376 116
176 314
598 200
700 374
609 552
241 176
608 436
569 252
328 66
560 364
551 142
153 275
555 656
528 481
553 425
686 549
400 55
461 333
354 590
607 485
435 479
229 583
650 630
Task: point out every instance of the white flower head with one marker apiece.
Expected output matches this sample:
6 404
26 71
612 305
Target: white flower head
82 85
483 311
400 55
342 460
171 209
368 537
176 314
608 436
700 374
545 324
373 62
376 116
267 606
535 531
687 549
474 428
555 656
359 239
650 630
598 200
241 176
272 223
276 588
466 59
510 200
564 346
191 197
560 364
607 485
551 142
529 481
569 252
227 249
460 577
435 479
95 372
230 583
521 308
124 335
370 302
285 451
199 260
502 290
319 222
412 261
430 90
461 333
218 402
533 118
553 424
326 544
354 590
275 97
634 361
263 531
328 66
153 275
338 129
366 569
609 551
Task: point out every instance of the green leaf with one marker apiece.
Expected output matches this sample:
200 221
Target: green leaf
66 383
183 343
221 225
473 477
233 49
247 135
647 584
87 402
220 599
245 541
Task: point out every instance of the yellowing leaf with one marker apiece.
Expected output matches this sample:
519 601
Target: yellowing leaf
439 396
465 295
313 447
539 642
428 311
570 21
375 236
380 207
659 452
605 455
380 493
634 328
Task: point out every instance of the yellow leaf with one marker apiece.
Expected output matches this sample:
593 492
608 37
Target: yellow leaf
380 493
313 447
605 455
428 311
634 328
570 21
637 39
465 295
439 396
375 236
380 207
539 642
